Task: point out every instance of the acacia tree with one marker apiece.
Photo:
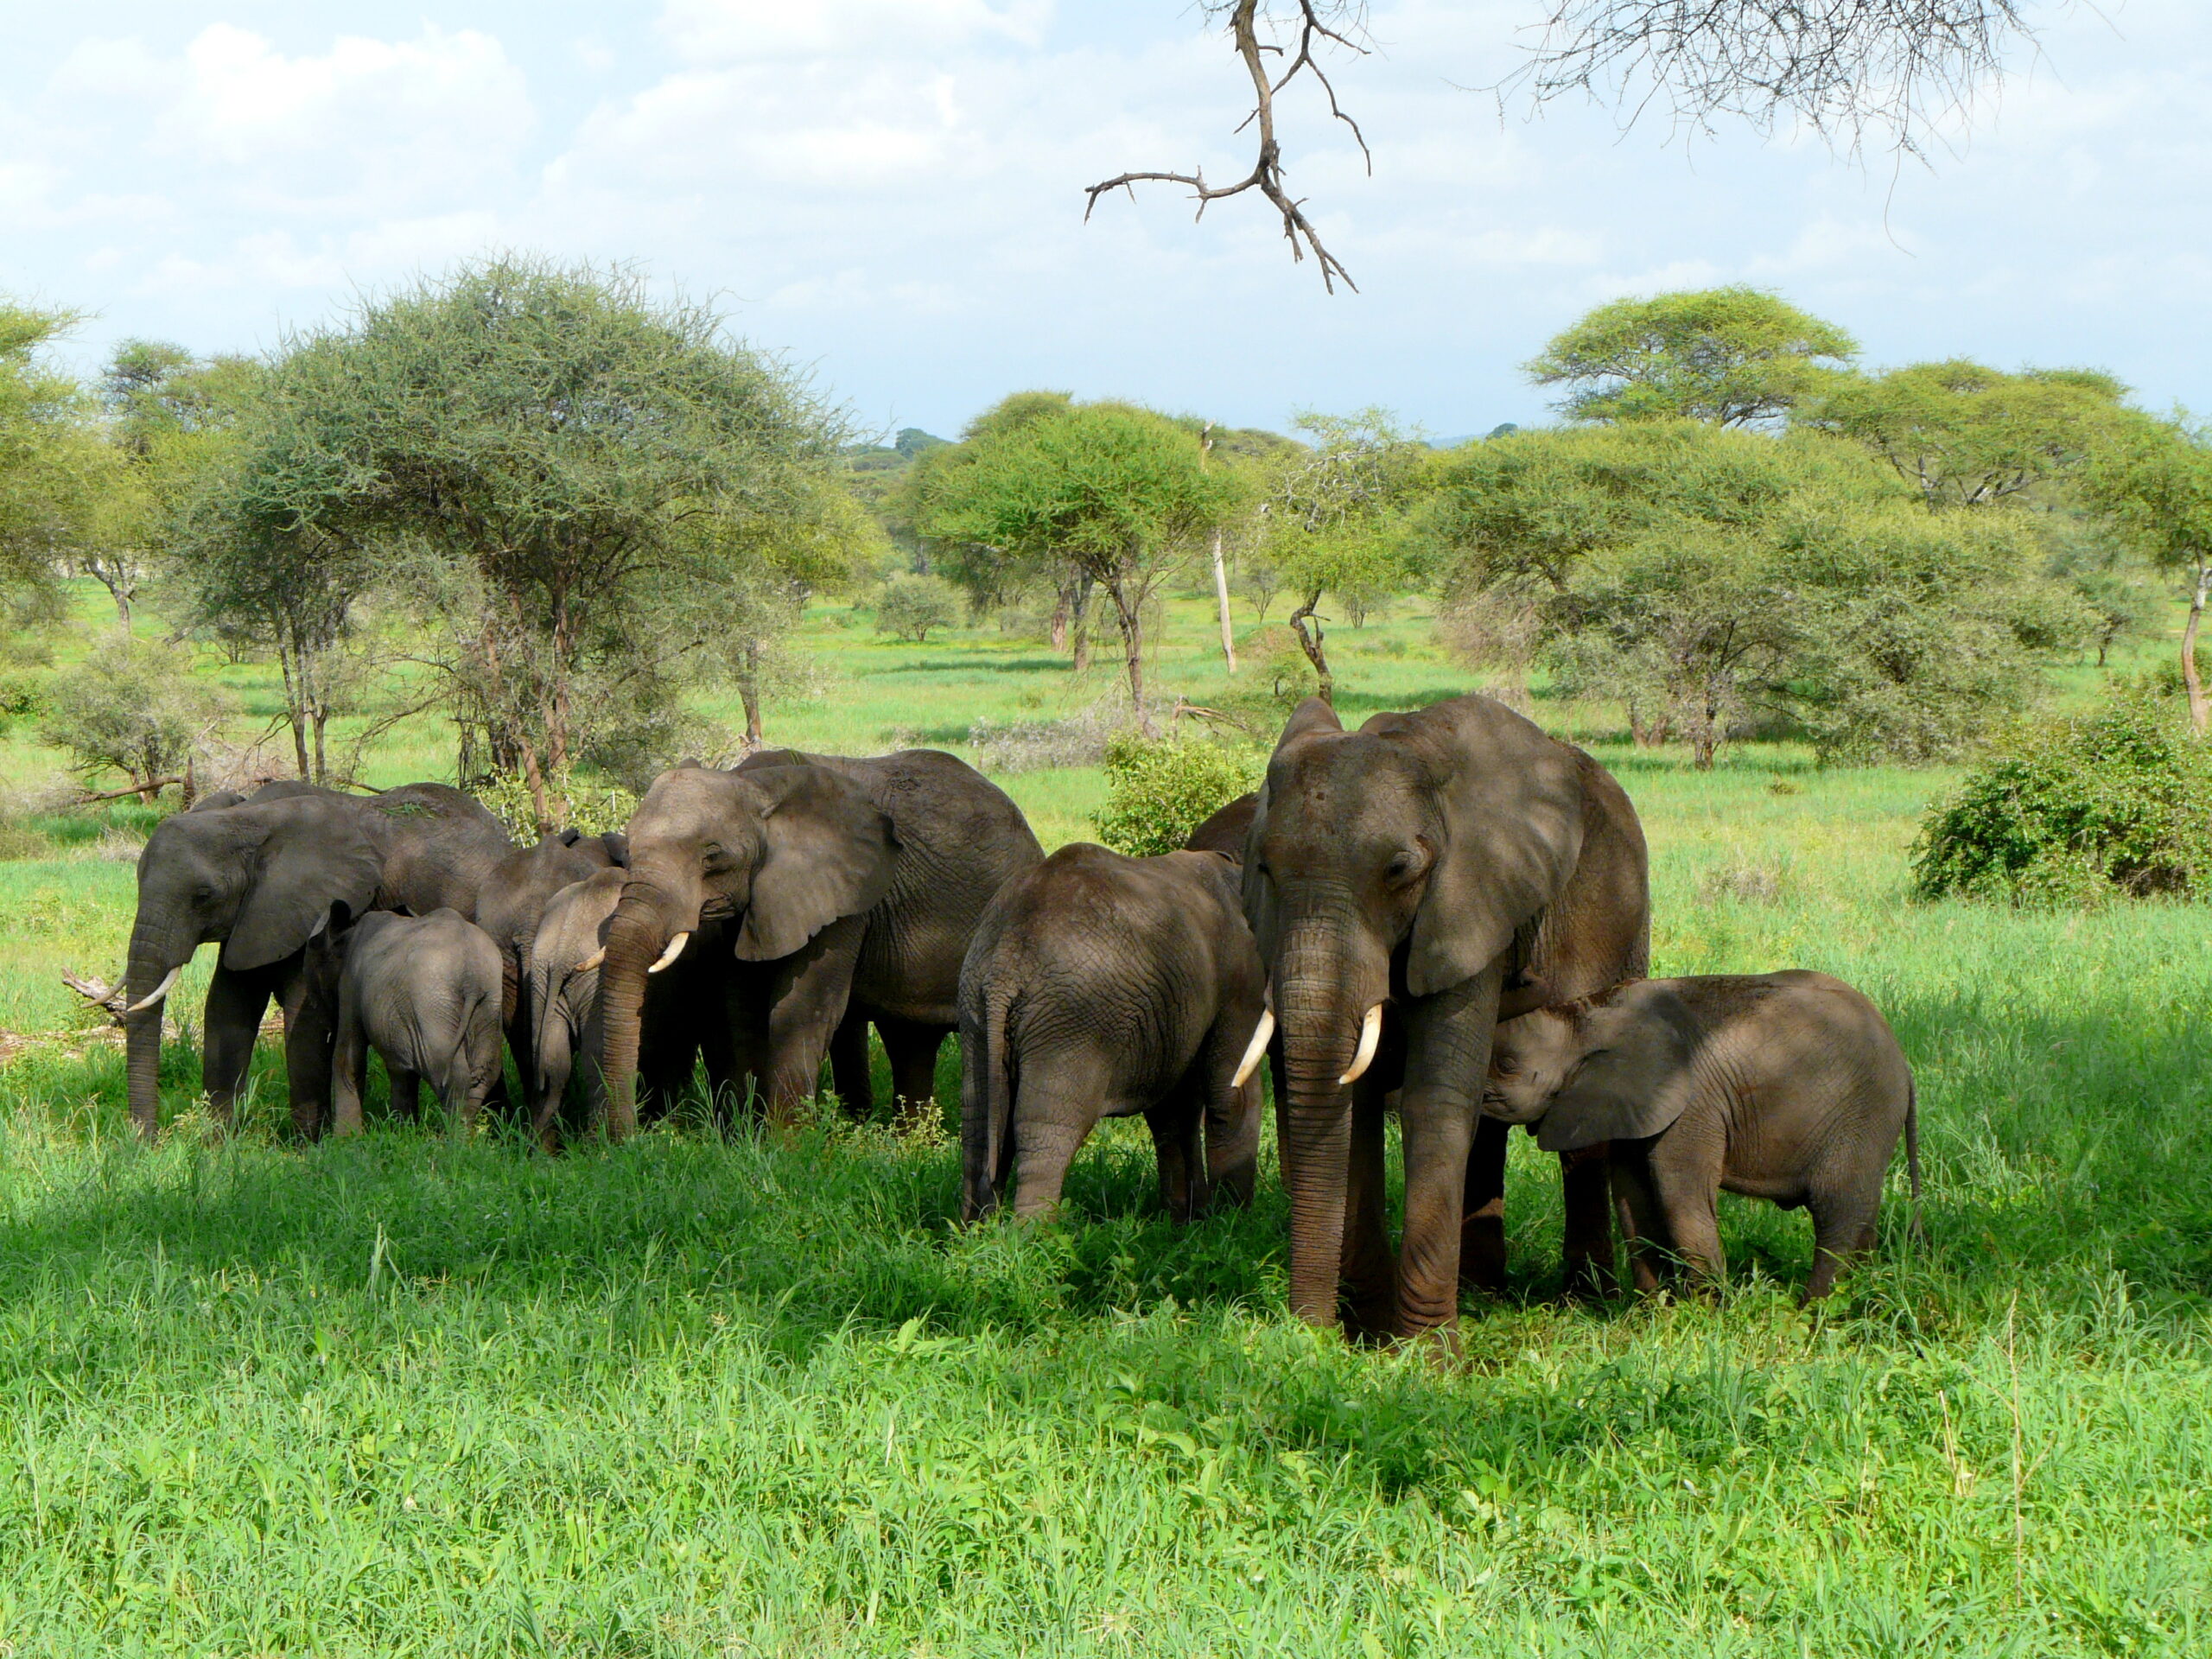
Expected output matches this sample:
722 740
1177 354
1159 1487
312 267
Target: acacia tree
567 472
1966 436
2153 478
1738 356
1116 493
1337 518
46 459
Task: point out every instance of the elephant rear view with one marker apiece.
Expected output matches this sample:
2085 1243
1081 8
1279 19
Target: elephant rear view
1100 986
423 991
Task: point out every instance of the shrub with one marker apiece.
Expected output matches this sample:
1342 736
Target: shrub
2072 812
132 707
911 606
1158 792
593 808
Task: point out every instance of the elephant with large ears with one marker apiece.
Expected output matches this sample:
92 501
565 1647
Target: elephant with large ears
509 907
846 891
260 878
1410 884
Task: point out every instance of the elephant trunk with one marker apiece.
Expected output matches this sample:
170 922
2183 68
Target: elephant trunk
156 957
638 936
1321 998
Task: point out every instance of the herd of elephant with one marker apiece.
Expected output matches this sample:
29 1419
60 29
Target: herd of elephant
1443 913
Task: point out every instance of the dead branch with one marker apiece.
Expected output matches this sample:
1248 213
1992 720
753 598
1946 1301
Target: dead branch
156 784
98 994
1266 173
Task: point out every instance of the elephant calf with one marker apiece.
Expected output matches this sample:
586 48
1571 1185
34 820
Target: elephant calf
1786 1086
1100 986
424 991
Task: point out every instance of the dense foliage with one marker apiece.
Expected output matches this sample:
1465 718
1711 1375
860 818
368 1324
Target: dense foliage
2066 811
1157 792
132 706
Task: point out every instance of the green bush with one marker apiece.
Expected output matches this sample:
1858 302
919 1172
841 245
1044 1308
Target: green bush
1158 792
593 808
2073 812
909 606
132 706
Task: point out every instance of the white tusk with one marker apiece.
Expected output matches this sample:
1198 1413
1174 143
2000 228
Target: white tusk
156 994
594 960
674 950
1258 1046
1370 1033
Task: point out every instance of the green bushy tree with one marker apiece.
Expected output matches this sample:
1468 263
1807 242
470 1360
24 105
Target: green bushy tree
1158 790
132 706
911 606
2114 802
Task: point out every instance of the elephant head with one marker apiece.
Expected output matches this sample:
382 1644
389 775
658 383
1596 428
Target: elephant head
1390 868
260 877
774 854
1611 1067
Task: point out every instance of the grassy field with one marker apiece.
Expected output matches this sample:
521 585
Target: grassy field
686 1396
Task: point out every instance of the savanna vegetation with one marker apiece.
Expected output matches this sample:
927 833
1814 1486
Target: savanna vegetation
690 1393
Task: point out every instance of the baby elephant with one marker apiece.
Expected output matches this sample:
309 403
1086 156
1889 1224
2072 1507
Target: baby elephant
425 991
1099 986
1785 1086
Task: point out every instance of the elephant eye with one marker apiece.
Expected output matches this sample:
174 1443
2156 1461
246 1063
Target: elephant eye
1507 1065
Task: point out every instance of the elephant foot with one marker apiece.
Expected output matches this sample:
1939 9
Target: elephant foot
1482 1249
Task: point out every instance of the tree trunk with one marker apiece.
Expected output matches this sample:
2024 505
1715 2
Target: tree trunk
1062 601
293 666
1132 649
748 693
1221 603
2189 678
1081 623
1311 644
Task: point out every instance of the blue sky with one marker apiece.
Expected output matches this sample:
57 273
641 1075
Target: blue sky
889 191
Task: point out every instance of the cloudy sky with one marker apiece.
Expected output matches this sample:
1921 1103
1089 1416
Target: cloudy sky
888 191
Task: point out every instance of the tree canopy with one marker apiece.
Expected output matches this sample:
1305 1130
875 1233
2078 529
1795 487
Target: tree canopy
45 492
1738 356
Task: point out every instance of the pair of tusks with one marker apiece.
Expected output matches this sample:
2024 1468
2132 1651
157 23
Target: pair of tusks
1370 1034
674 950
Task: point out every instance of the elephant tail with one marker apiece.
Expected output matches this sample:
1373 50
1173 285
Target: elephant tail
988 1107
1912 1154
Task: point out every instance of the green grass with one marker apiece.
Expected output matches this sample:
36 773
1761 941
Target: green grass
684 1396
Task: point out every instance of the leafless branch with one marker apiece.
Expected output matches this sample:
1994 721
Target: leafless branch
1311 20
1849 69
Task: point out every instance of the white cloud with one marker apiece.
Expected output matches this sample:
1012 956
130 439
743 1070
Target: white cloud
745 31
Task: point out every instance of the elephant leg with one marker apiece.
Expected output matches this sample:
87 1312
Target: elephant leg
309 1032
231 1020
1482 1224
812 988
1687 1198
1588 1247
1369 1277
1175 1124
349 1072
1048 1130
1843 1230
406 1089
1232 1123
1642 1224
848 1067
1447 1055
912 1049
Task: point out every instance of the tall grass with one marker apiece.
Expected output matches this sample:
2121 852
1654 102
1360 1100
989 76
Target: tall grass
693 1396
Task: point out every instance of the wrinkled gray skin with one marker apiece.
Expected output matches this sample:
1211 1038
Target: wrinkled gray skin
1786 1086
423 991
845 891
1101 986
509 908
260 878
564 1013
1453 866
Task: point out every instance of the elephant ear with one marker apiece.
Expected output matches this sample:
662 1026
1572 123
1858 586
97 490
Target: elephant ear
1635 1080
827 854
617 846
1261 909
307 864
1509 801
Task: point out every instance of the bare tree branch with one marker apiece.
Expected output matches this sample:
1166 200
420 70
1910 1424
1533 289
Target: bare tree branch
1849 69
1317 22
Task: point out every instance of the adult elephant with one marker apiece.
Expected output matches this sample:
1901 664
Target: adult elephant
509 906
1410 884
260 877
847 891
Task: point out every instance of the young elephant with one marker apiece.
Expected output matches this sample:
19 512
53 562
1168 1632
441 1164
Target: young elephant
424 990
1100 986
1786 1086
